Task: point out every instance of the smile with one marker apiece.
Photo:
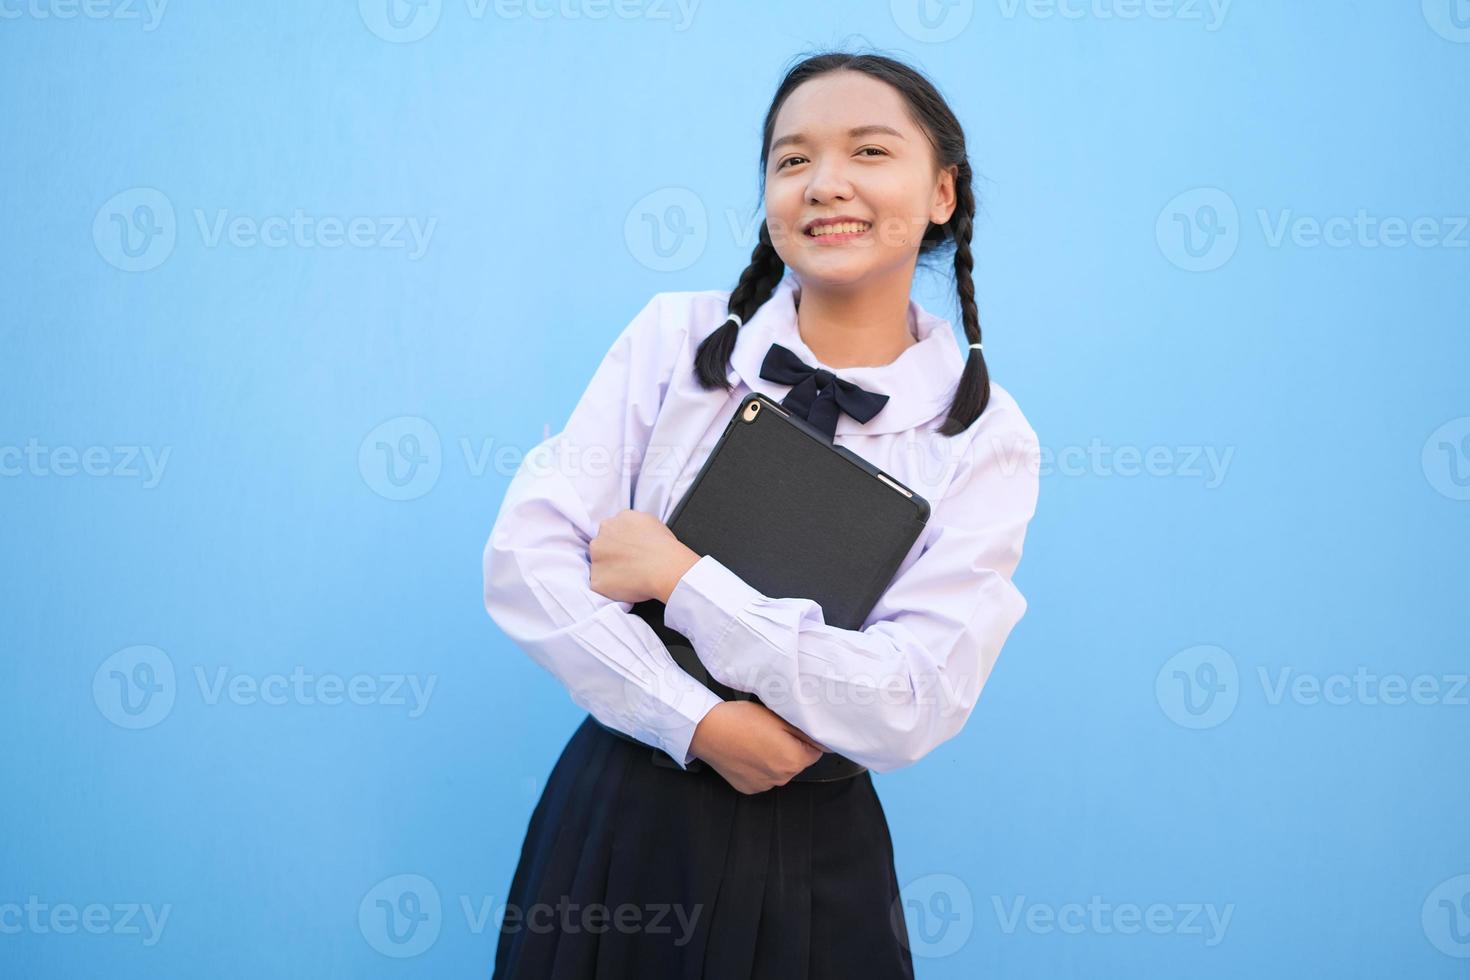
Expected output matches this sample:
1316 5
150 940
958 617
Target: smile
840 231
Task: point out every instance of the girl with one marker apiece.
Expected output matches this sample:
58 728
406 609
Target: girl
676 837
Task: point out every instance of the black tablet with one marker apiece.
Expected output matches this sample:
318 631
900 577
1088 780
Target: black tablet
793 515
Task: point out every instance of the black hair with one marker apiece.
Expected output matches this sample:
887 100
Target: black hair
766 269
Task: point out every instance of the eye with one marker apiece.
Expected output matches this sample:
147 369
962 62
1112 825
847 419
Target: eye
877 149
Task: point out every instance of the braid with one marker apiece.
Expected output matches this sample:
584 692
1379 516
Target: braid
972 393
757 283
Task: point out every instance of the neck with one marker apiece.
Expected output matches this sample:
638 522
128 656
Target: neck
856 326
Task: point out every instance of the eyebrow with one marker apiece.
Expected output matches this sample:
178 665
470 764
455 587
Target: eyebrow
856 131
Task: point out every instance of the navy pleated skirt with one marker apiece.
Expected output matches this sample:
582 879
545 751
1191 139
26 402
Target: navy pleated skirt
634 871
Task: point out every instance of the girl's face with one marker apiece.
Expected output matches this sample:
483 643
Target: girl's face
843 146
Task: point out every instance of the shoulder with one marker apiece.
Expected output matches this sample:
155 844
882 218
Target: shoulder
662 336
676 316
1000 444
1003 417
669 328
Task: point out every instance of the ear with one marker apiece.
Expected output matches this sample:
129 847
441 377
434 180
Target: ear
943 205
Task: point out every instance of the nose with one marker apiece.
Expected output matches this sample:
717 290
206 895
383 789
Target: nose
828 182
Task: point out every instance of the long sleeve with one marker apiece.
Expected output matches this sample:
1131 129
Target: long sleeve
887 694
536 565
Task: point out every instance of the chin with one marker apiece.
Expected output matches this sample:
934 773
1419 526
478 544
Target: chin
834 274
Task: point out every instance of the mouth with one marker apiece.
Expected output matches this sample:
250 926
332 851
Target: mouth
838 231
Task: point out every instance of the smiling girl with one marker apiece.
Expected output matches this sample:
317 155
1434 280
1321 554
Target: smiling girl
679 835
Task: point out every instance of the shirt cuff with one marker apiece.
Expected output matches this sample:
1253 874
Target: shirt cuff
706 604
692 706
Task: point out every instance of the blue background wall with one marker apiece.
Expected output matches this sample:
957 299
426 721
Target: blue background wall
250 462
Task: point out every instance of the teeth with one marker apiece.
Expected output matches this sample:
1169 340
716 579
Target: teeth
845 227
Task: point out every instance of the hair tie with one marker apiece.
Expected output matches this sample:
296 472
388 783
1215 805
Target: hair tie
977 346
733 316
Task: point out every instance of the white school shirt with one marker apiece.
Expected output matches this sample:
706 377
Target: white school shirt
883 695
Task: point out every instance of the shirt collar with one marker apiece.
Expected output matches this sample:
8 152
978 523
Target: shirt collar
920 383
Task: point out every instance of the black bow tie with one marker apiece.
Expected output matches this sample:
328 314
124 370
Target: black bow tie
818 393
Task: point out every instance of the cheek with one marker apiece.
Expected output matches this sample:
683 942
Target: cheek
901 217
783 207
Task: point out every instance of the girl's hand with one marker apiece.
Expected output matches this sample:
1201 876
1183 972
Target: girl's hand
751 746
636 557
